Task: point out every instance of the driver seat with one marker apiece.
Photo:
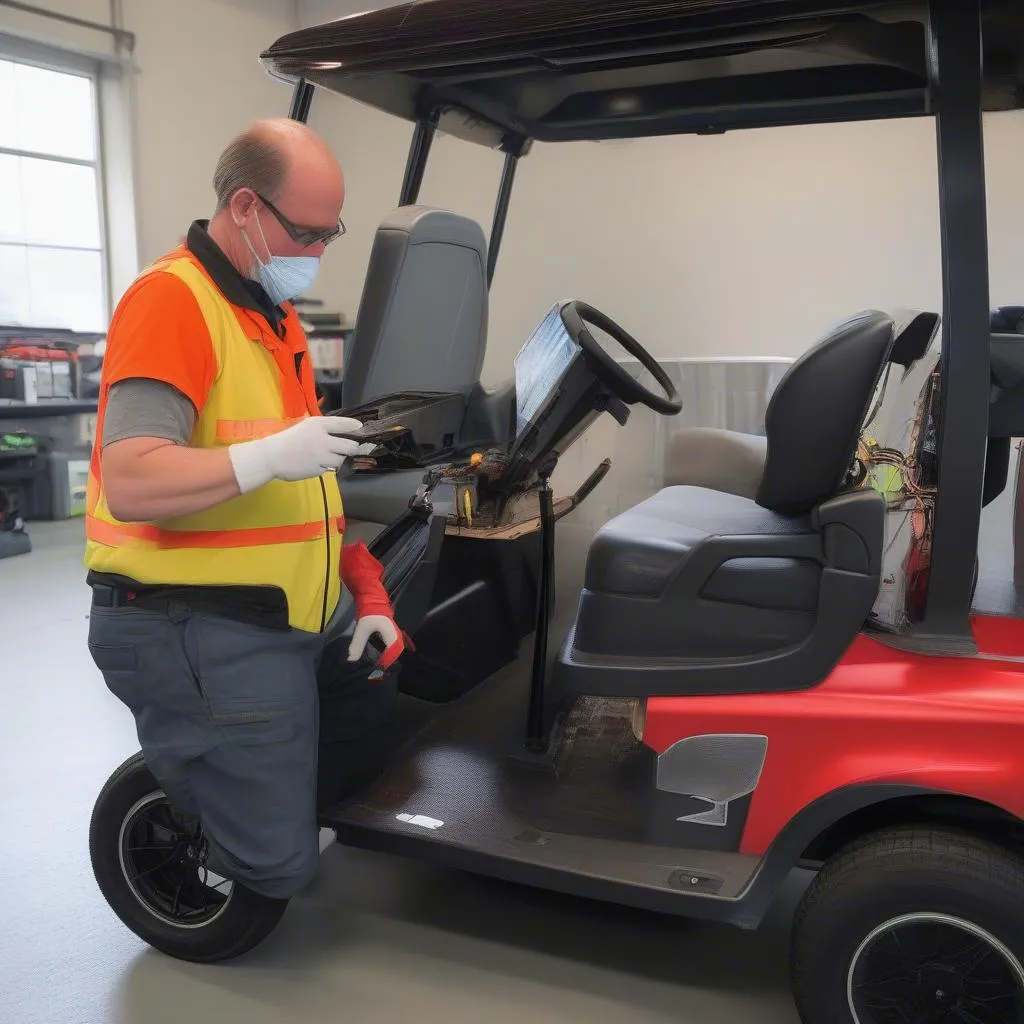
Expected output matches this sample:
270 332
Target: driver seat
698 591
422 321
421 327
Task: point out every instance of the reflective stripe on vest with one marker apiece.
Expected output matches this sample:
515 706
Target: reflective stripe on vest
114 534
285 534
235 431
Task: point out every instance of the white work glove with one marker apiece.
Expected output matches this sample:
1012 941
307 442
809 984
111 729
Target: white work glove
366 627
301 452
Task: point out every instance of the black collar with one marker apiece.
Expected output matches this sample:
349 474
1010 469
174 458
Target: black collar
237 289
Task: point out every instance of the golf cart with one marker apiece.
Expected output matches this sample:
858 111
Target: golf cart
717 687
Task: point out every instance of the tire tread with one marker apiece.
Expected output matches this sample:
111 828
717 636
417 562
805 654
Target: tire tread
254 917
903 855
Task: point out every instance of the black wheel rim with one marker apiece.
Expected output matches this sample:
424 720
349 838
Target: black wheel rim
163 857
934 969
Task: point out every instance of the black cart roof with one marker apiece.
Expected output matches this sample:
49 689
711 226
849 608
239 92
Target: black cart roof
563 70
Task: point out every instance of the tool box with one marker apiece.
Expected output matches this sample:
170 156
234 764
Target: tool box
36 374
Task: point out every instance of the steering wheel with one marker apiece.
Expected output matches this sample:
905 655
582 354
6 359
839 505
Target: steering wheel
576 316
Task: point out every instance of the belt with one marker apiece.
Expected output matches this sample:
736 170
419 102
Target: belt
183 601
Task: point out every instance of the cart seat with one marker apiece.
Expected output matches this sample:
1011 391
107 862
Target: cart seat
422 321
728 460
703 591
421 326
639 553
723 460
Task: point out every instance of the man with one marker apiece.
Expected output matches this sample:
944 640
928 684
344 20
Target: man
214 526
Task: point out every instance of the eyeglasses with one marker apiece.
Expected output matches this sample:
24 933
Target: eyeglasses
304 236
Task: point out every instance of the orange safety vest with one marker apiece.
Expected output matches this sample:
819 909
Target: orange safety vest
285 534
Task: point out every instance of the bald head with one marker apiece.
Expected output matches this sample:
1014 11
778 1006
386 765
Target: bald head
268 155
277 185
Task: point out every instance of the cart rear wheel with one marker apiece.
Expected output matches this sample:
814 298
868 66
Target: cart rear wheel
150 864
913 925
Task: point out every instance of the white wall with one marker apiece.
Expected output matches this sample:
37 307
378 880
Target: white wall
746 244
198 82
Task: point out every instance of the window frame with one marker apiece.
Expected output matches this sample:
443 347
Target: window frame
112 132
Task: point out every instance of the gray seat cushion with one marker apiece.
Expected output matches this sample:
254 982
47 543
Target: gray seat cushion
721 460
642 550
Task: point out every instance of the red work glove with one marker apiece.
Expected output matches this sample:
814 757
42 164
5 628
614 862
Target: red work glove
363 575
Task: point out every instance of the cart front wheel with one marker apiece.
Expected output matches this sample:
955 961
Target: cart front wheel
914 924
150 864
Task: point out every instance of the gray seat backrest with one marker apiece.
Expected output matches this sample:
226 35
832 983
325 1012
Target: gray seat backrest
422 321
816 413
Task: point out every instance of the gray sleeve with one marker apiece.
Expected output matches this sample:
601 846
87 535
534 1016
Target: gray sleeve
147 408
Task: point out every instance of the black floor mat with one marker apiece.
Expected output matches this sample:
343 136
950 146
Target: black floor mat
603 777
459 792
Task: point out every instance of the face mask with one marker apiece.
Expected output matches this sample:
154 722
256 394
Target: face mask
284 277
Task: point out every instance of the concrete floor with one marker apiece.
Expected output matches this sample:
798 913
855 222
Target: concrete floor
376 939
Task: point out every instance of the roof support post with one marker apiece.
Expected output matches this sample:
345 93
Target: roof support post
514 149
419 150
508 177
302 100
956 67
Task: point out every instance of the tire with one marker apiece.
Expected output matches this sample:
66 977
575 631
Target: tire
912 907
230 926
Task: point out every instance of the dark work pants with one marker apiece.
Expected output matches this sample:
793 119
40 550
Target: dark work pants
241 725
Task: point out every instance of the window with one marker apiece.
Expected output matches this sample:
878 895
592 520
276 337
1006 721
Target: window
52 245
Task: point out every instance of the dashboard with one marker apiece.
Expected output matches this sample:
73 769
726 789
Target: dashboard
563 380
